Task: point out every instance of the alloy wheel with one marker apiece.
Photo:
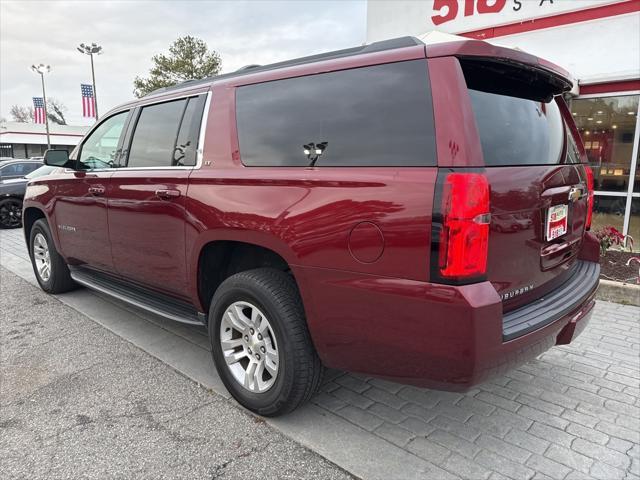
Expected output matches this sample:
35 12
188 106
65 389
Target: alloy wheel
11 214
41 257
249 347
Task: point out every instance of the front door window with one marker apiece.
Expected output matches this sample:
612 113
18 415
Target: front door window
100 148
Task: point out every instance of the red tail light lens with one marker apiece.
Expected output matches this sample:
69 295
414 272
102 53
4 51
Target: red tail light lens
590 187
464 238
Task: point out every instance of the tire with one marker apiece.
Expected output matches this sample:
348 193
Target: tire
10 213
273 296
58 279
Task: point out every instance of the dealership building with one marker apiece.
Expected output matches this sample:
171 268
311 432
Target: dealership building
598 41
25 140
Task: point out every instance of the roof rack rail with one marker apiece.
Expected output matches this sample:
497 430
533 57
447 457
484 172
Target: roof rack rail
347 52
171 87
248 67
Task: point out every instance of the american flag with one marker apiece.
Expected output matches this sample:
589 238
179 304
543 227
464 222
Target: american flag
88 105
38 110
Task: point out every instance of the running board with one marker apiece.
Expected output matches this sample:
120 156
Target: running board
140 297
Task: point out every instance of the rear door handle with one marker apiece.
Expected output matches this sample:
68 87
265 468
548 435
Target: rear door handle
97 190
168 194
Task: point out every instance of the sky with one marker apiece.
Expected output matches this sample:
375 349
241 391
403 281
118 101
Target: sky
131 32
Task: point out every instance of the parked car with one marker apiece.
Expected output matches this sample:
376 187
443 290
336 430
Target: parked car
18 168
11 195
334 210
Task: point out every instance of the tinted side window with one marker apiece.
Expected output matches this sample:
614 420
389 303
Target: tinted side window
99 148
185 153
30 167
154 138
13 169
371 116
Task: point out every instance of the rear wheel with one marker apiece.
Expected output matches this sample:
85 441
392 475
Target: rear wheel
10 213
260 342
49 267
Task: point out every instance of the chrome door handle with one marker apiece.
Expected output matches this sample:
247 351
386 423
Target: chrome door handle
168 194
96 191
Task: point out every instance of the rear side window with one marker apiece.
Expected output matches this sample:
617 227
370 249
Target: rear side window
155 135
166 134
371 116
518 131
187 144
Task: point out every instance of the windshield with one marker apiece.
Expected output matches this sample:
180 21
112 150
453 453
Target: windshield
44 170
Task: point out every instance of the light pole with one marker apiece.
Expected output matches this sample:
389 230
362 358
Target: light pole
41 69
92 50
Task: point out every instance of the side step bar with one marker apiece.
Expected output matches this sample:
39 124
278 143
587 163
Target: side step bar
140 297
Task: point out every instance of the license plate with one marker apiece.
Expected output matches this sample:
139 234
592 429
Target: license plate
557 221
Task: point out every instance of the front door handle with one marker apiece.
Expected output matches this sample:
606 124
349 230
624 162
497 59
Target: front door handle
168 194
96 191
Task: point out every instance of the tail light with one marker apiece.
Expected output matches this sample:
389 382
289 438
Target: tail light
590 187
464 235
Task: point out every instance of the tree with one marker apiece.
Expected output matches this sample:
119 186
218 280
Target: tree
21 114
189 58
55 112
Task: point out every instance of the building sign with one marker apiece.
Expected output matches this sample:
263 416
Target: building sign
457 16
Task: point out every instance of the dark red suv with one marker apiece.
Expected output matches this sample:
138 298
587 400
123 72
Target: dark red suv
415 212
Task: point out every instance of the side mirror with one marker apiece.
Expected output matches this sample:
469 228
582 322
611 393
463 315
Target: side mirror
57 158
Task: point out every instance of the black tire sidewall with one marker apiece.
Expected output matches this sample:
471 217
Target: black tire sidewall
270 401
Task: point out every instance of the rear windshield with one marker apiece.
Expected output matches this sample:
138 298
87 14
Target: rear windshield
518 131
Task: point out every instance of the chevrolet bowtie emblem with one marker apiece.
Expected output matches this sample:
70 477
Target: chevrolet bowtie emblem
575 194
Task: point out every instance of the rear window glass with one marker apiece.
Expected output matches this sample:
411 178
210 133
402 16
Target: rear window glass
154 138
518 131
371 116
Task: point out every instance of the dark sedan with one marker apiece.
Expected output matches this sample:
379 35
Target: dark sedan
11 195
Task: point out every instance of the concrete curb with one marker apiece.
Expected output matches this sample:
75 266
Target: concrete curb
618 292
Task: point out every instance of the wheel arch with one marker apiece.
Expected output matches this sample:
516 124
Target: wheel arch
29 216
218 259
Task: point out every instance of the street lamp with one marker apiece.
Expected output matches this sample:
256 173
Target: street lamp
41 69
92 50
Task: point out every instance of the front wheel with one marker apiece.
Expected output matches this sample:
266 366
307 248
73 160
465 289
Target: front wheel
50 268
260 342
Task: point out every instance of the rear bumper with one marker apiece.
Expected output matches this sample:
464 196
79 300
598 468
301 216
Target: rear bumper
436 336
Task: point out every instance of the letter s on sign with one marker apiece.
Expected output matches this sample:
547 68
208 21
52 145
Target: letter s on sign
452 11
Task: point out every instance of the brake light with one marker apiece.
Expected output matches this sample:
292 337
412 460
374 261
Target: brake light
590 188
464 238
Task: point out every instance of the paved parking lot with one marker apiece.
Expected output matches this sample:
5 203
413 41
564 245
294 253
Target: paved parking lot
80 402
572 414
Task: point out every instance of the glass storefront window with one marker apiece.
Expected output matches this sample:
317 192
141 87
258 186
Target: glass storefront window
608 212
607 126
634 223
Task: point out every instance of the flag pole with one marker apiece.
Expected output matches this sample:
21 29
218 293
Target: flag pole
95 94
46 114
91 50
41 70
